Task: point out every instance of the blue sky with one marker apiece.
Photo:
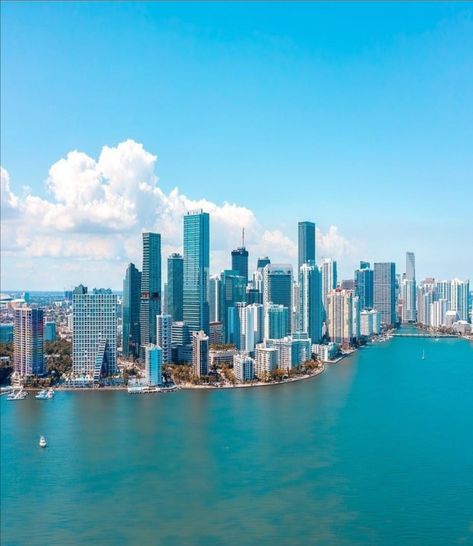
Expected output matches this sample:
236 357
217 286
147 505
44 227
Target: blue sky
358 116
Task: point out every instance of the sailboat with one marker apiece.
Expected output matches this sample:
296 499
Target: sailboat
423 354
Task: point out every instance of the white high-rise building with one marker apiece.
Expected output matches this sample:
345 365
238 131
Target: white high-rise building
408 294
460 295
443 291
340 316
251 327
94 340
310 302
243 367
266 360
328 271
438 311
164 336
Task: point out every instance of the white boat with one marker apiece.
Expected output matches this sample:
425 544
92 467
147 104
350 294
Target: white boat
42 442
50 394
18 394
42 395
423 355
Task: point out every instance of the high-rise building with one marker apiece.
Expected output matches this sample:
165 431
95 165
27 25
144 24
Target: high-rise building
364 285
150 287
200 353
277 288
438 311
306 241
28 342
94 340
232 291
384 281
243 367
175 286
262 262
153 365
6 332
275 321
328 271
252 327
215 298
164 336
443 291
235 319
410 266
196 270
50 331
310 301
240 260
408 288
131 312
460 298
266 360
340 316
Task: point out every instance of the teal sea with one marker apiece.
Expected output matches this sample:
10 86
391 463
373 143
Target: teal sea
378 450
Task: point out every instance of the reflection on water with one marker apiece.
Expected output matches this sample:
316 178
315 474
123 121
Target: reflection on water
373 451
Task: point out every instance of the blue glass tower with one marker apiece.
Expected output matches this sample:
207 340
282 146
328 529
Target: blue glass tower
364 285
175 287
196 270
150 287
306 243
131 312
233 291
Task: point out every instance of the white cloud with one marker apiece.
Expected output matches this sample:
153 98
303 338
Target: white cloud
97 209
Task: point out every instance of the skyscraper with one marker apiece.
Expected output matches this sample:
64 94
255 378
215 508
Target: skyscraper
384 280
153 365
306 243
262 262
215 298
310 301
460 298
196 270
94 339
131 312
150 287
175 286
275 321
328 270
277 288
28 342
340 316
232 291
408 287
200 353
240 260
410 266
164 336
364 285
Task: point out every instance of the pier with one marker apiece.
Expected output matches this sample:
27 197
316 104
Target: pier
424 334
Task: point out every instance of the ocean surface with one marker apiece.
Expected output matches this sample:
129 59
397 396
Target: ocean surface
378 450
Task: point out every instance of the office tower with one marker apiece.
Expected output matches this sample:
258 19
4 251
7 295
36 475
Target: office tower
277 288
340 316
215 298
150 287
460 298
200 353
295 307
408 288
252 326
443 290
410 266
233 326
328 270
232 291
94 339
364 285
153 365
253 295
196 270
180 334
266 361
6 332
384 293
164 336
175 286
261 263
50 331
310 302
216 333
28 345
131 312
306 243
275 321
425 298
240 259
243 367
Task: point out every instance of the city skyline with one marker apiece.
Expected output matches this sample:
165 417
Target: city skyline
369 169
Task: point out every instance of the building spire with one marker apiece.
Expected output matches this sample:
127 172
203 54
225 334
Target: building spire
243 237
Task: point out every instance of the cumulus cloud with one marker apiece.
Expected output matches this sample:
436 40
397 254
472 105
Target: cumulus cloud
97 208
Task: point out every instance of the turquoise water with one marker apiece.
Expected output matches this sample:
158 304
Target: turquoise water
377 450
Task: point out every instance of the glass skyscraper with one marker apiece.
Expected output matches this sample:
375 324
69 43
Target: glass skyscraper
384 293
196 270
28 342
364 285
232 291
310 302
131 312
150 287
277 288
240 262
306 243
175 286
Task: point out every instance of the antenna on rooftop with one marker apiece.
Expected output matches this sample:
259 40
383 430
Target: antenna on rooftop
243 237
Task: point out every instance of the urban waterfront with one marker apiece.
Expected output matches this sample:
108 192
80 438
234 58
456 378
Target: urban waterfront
376 450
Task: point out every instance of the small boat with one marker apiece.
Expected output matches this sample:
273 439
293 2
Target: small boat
18 394
42 395
42 442
423 355
50 394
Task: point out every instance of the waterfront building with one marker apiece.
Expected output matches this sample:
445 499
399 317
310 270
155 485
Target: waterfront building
438 310
232 291
340 316
266 360
275 321
175 286
180 334
409 298
450 318
153 365
164 336
28 341
150 305
50 331
384 280
131 312
306 240
252 327
243 367
443 290
364 285
221 357
94 340
200 353
293 350
216 333
310 301
6 333
235 317
215 298
460 298
328 271
369 322
277 288
356 329
425 298
196 270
